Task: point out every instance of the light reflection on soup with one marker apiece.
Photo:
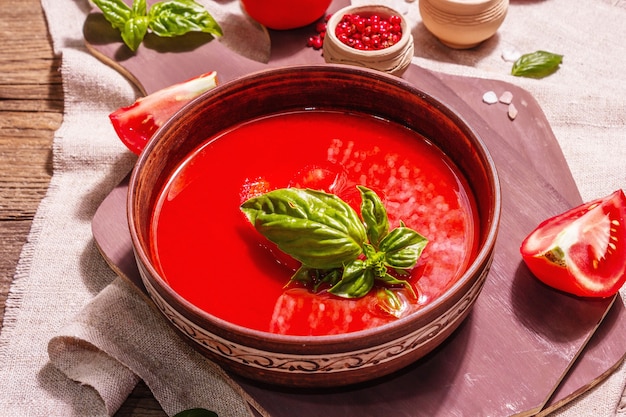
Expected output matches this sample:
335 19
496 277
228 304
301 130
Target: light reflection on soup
204 247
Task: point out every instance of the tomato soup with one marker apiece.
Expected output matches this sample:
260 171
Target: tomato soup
208 252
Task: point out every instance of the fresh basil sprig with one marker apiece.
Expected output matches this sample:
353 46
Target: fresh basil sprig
166 19
333 244
537 64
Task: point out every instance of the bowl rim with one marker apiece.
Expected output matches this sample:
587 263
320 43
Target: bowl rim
385 331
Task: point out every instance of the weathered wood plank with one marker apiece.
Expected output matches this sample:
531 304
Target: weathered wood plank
31 107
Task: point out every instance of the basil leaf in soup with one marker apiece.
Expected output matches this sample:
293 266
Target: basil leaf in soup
318 229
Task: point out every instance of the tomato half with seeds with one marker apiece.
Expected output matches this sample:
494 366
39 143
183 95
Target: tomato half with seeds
582 251
135 124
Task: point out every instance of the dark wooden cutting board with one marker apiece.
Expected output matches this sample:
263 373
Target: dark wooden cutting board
524 349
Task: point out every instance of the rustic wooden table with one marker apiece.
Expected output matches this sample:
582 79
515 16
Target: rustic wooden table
31 110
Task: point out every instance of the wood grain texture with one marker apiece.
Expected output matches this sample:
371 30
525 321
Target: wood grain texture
31 106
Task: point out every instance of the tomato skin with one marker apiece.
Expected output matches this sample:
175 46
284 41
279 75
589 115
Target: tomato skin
581 251
285 14
135 124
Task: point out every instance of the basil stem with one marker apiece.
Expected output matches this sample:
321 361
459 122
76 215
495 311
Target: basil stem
333 244
316 277
537 64
166 19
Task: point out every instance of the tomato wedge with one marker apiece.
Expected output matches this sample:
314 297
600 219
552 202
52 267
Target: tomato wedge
135 124
582 251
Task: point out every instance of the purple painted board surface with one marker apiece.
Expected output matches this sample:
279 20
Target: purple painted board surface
514 352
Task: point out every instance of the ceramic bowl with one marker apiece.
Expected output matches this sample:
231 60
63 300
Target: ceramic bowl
285 14
463 24
330 360
393 60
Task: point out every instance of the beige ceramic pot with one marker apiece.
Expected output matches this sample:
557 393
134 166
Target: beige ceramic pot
393 60
329 360
463 24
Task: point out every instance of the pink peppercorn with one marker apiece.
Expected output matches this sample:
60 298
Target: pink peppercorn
369 32
317 41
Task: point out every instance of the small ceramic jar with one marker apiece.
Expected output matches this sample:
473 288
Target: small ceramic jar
463 24
392 60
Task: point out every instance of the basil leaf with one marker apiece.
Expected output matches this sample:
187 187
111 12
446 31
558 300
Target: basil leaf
177 17
374 215
134 31
139 8
537 64
389 302
303 274
357 280
316 277
116 12
402 247
390 280
318 229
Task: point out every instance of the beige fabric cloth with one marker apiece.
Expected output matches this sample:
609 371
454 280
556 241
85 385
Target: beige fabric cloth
76 339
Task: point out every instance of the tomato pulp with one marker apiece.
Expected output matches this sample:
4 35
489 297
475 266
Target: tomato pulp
205 248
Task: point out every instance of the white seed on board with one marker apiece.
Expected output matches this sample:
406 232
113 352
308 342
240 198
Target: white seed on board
490 97
510 54
506 97
512 111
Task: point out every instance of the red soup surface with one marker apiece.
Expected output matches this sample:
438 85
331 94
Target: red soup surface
205 248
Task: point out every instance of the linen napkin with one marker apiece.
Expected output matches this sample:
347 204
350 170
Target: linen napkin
76 339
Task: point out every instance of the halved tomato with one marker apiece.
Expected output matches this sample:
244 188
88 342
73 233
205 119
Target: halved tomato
582 251
135 124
